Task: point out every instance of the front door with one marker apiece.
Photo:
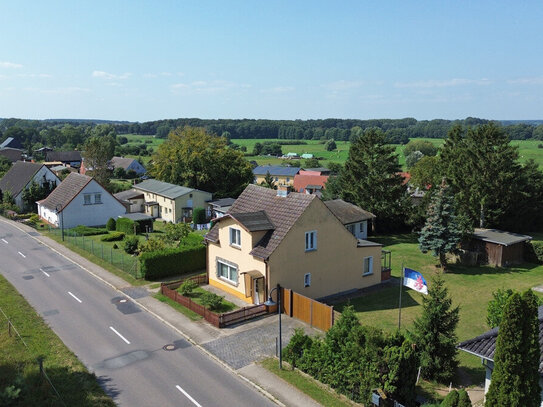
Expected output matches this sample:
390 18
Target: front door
258 290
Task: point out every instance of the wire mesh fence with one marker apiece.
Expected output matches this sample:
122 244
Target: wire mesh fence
116 257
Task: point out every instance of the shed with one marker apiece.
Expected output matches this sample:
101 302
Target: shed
497 247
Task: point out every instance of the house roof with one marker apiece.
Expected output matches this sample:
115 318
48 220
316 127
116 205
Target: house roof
11 143
276 170
166 189
129 194
220 203
304 180
18 176
63 156
253 221
136 216
484 345
121 162
12 154
66 191
321 170
282 213
499 237
347 212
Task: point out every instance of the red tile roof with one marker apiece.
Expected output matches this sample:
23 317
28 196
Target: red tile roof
302 181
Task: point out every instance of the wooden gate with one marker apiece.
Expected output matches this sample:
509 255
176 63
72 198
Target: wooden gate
305 309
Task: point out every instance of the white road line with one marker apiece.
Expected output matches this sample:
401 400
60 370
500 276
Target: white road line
77 299
22 255
188 396
5 241
120 336
45 273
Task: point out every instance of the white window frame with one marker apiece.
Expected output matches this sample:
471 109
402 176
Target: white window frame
97 198
307 280
370 271
311 242
87 199
231 271
235 237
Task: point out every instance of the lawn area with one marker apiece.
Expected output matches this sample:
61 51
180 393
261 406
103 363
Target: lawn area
193 316
470 287
196 296
76 386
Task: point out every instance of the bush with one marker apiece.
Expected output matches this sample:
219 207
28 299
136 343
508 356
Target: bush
152 245
83 230
113 237
126 225
115 246
211 300
192 240
463 399
198 216
298 344
451 400
534 252
188 287
131 244
174 261
111 224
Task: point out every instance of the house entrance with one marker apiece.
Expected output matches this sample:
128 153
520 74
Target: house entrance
258 290
254 286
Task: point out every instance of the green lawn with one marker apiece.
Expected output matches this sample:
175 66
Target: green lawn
470 287
76 386
178 307
226 306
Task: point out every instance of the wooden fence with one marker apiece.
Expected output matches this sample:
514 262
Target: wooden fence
305 309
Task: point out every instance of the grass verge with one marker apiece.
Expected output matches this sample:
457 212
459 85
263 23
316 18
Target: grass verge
19 367
309 386
178 307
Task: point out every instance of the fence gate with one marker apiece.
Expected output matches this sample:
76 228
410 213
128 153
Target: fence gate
305 309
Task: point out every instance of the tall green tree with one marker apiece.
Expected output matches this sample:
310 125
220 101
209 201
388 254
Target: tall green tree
36 192
268 181
435 333
98 151
441 232
196 159
371 180
515 378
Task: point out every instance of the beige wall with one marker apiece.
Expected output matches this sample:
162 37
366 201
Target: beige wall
336 265
281 179
172 210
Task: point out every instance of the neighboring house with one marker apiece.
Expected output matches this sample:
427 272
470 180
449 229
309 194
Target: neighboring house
79 200
273 237
218 208
133 200
281 175
484 347
70 158
310 182
58 169
12 154
497 247
128 164
11 142
172 203
316 171
354 218
307 156
20 177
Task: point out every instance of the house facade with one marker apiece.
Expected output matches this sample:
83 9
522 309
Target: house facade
355 219
79 200
169 202
133 200
291 239
281 175
70 158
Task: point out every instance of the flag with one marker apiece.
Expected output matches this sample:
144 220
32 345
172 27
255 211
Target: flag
413 279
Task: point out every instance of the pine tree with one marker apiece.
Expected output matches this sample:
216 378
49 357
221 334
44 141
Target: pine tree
515 379
434 333
441 233
463 399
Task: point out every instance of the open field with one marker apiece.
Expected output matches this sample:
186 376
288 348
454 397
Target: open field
19 367
470 287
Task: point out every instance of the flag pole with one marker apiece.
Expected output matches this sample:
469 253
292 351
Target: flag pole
400 303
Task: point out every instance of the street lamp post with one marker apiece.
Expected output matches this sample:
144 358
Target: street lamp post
59 209
270 303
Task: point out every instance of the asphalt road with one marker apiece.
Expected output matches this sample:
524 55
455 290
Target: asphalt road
121 343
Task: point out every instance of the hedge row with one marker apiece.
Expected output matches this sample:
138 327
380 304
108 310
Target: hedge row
113 237
83 230
126 225
168 262
534 252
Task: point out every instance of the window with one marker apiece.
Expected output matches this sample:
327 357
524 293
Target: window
87 199
227 272
368 266
311 240
276 179
97 198
307 280
350 228
235 237
288 179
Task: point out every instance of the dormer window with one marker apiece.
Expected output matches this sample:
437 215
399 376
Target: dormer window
235 237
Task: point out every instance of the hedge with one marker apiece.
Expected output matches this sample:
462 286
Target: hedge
113 237
169 262
192 240
127 225
83 230
534 252
198 216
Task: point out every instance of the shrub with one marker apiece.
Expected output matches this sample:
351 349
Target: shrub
131 244
115 246
451 400
298 344
540 145
111 224
198 216
192 240
211 300
463 398
113 237
534 252
173 261
83 230
188 287
126 225
152 245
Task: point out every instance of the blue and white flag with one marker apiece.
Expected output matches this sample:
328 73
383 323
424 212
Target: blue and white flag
414 280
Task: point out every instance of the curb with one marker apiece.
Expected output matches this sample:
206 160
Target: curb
154 314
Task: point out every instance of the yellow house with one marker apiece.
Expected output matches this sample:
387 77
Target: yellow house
170 202
281 175
293 239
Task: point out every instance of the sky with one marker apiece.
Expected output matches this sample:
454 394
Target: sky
149 60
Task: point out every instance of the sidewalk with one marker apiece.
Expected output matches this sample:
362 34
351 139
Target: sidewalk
226 346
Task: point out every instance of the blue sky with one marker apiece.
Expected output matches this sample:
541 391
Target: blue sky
148 60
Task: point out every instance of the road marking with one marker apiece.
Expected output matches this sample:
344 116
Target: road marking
22 255
5 241
77 299
45 273
188 396
120 336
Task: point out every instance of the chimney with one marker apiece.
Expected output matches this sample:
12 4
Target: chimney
282 190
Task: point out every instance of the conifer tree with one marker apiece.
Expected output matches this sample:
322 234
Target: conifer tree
463 399
434 333
442 232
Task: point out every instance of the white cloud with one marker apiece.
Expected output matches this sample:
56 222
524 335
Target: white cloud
278 90
5 64
538 80
442 83
110 76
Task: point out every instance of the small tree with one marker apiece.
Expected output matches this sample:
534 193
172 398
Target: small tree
268 181
413 158
441 232
296 347
111 224
176 232
451 400
330 145
188 287
463 398
311 163
119 172
198 216
131 244
434 332
211 300
496 306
